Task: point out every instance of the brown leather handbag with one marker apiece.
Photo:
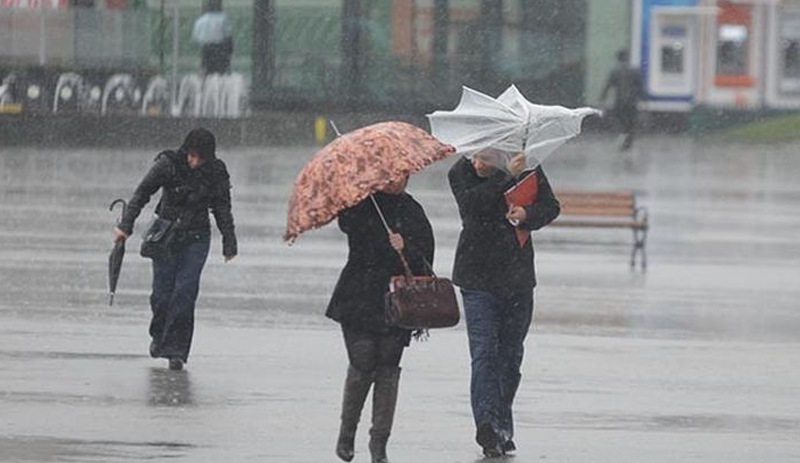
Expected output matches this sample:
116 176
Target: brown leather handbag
421 302
418 302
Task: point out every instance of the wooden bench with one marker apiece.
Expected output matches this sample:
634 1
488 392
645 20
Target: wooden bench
605 209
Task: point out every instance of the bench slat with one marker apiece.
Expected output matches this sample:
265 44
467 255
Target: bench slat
595 210
640 224
596 203
600 196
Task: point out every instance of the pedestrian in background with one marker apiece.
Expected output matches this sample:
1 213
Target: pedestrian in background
214 32
374 348
192 181
626 81
496 277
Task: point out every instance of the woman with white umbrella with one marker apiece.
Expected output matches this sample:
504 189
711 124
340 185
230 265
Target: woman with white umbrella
504 140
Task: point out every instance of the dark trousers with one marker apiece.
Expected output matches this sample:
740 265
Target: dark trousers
176 283
626 116
367 351
216 57
496 327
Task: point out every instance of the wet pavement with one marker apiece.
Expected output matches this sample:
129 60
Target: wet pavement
693 360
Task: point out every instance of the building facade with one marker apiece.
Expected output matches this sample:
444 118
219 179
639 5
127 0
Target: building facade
742 54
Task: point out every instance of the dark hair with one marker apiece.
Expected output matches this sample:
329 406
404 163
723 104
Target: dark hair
201 141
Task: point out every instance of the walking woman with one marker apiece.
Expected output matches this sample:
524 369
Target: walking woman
193 181
374 349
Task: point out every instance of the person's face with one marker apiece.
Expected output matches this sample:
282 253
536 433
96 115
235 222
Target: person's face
396 187
194 160
486 161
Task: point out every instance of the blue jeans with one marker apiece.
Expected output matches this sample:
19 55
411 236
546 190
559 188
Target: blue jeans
496 327
176 283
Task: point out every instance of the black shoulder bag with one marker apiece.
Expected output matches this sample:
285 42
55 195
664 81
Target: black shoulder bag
157 242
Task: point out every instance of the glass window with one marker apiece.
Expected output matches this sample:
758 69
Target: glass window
672 58
672 53
791 58
732 42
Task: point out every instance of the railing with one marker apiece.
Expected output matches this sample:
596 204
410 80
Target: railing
74 37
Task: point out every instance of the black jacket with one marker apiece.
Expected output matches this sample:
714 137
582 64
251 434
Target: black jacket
187 195
488 256
358 299
627 85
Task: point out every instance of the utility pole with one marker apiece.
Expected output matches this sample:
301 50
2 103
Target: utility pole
263 57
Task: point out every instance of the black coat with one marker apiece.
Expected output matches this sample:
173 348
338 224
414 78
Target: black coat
358 299
187 196
488 256
627 85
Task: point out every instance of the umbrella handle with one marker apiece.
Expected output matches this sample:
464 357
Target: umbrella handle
335 129
406 268
124 206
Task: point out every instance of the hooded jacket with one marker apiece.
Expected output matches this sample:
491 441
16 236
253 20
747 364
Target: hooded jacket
187 196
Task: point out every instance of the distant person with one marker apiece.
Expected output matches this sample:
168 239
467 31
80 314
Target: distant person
192 181
627 84
9 90
214 32
496 276
374 348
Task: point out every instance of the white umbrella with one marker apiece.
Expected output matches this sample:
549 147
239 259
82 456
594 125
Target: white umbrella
506 125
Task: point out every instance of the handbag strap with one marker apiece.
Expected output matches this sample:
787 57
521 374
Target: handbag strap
406 267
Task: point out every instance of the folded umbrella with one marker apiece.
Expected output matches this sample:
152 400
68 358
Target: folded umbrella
115 258
355 165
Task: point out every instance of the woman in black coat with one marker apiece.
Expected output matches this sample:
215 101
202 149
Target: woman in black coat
374 349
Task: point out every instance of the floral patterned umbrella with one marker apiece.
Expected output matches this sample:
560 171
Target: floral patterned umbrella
355 165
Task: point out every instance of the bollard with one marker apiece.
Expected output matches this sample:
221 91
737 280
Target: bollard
320 130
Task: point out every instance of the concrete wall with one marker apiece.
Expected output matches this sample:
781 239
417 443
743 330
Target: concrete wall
267 129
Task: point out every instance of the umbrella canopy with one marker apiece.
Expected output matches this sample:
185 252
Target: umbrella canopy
498 128
355 165
115 258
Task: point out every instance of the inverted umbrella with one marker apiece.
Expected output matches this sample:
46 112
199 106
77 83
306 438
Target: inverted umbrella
355 165
498 128
116 256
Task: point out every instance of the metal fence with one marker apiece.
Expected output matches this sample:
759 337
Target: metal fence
396 63
75 37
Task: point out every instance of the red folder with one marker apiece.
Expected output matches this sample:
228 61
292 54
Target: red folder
524 193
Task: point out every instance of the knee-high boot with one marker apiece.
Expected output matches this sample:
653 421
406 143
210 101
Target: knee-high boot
384 402
356 387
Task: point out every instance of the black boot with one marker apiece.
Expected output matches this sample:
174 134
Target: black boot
356 387
384 402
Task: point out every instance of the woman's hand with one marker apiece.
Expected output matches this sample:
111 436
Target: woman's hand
516 215
119 235
516 165
396 241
